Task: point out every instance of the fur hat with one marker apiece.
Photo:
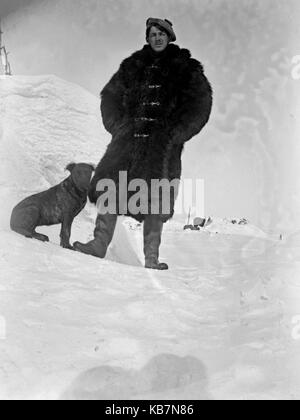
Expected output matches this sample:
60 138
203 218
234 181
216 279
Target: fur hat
165 24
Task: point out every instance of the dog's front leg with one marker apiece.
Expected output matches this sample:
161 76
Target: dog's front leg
65 232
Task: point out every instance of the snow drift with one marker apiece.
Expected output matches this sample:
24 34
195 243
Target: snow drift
47 123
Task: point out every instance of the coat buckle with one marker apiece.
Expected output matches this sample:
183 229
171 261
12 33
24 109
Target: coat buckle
141 136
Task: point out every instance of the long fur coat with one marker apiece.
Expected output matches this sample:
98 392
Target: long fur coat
153 105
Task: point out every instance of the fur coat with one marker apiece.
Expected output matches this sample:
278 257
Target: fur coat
153 105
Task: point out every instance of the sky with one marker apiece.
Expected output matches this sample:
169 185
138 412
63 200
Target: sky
246 47
85 40
11 6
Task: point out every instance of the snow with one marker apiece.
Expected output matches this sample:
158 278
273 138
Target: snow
220 324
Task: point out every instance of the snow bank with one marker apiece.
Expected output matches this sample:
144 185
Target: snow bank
227 227
47 123
222 226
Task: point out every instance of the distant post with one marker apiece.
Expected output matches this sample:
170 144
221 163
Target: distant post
4 56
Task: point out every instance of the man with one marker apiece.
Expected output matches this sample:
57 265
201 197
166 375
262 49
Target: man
158 100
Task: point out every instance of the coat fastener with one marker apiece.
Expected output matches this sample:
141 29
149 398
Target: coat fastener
145 119
151 103
141 136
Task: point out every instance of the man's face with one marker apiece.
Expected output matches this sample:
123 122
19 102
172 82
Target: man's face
158 39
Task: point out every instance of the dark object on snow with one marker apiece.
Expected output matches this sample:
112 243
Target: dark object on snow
199 221
191 227
59 204
243 222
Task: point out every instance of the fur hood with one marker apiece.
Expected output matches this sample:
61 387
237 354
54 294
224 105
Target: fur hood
173 57
172 54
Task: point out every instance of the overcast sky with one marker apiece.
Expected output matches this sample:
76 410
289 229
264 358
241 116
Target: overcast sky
84 40
10 6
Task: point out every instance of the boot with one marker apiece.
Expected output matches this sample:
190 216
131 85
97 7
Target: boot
104 231
153 227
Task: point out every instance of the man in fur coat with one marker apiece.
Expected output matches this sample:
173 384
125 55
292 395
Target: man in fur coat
157 101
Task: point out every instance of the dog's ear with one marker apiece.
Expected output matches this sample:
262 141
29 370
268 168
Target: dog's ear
70 167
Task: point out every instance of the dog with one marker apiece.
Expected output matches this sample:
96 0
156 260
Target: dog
58 205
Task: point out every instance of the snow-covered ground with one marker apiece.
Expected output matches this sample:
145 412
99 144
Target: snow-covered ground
223 322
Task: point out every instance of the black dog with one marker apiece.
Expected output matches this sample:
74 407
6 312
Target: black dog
59 204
